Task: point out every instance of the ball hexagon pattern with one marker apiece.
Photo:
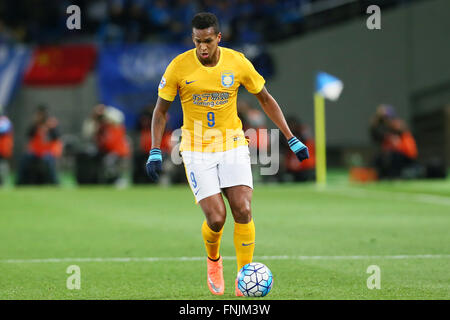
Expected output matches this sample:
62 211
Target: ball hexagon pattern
255 280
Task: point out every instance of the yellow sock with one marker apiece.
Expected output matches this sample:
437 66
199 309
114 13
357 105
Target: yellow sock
244 242
211 240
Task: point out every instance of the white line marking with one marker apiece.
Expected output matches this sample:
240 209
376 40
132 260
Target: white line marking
394 195
256 258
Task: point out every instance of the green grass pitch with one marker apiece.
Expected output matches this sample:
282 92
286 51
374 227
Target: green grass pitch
318 243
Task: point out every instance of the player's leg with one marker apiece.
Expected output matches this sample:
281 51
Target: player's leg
237 184
215 213
239 198
201 172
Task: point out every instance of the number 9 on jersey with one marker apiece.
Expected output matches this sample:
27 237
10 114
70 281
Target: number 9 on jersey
211 119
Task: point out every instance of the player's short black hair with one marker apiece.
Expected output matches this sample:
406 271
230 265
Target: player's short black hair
205 20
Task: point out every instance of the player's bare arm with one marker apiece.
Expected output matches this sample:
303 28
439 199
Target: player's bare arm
159 120
273 111
154 162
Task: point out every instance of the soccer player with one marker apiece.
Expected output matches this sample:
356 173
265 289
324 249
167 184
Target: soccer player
213 146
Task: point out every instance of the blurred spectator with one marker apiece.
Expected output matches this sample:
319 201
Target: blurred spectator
113 146
246 27
92 125
397 150
96 15
159 15
111 136
112 30
6 34
38 164
88 160
136 23
225 12
6 147
380 123
305 170
103 159
182 14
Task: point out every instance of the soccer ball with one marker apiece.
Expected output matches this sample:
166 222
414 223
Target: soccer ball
255 280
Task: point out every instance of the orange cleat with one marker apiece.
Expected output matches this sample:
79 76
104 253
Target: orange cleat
237 292
215 280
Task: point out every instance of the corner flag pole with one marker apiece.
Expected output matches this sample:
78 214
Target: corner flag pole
330 87
319 118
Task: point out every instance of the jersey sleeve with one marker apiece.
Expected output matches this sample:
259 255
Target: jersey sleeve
168 87
251 79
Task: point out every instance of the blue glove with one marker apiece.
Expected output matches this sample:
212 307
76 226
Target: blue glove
300 150
154 164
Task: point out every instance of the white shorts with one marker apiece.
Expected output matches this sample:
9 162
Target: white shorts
209 172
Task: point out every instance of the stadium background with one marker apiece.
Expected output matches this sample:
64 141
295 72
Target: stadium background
405 64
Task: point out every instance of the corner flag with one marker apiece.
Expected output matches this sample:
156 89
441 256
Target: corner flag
327 87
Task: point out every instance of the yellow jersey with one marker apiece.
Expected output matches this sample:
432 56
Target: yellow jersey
208 98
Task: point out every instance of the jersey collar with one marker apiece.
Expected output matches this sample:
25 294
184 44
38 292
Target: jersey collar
208 68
